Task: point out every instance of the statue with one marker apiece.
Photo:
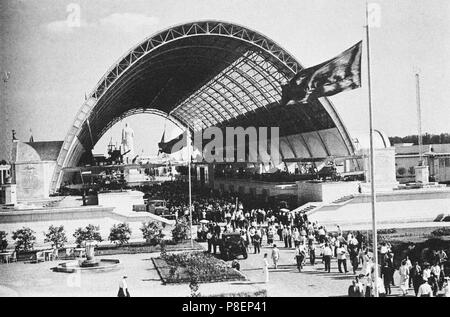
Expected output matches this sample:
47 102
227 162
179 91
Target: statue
127 143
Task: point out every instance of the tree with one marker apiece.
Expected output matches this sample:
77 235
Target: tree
56 235
182 170
90 232
152 232
442 138
193 285
3 241
401 171
181 231
120 233
25 239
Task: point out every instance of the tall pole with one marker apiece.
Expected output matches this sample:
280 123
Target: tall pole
372 167
188 143
5 78
419 119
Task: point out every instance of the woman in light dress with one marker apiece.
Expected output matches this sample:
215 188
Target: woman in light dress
366 263
296 236
266 268
404 277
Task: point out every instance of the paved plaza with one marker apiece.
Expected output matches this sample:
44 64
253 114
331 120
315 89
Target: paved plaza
24 279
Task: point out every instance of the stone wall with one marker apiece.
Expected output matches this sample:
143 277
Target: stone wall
33 165
256 187
33 179
324 191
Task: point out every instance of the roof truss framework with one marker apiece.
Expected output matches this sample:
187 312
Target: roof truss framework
203 74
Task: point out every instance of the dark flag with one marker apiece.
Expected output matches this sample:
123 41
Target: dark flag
161 142
169 146
329 78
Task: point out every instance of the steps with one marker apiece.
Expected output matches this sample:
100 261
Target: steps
343 200
308 208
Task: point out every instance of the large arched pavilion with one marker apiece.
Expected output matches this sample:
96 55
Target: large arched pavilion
204 74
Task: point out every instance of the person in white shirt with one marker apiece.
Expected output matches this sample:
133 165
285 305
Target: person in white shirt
123 288
300 254
342 258
446 287
425 289
404 277
296 236
383 249
436 270
275 255
333 245
266 268
426 273
327 253
367 263
381 288
322 234
270 234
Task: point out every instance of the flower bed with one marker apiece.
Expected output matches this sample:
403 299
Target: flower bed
144 247
199 266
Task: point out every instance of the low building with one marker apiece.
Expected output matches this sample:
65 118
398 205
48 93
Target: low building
33 164
7 190
436 156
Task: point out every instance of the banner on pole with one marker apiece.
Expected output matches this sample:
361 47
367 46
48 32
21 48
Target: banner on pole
329 78
169 146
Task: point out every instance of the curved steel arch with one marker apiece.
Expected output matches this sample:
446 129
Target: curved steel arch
137 111
109 101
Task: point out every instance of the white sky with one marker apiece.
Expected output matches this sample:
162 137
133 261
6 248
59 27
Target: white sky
52 65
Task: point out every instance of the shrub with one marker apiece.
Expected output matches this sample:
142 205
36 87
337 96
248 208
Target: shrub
445 231
401 171
387 231
120 233
3 241
181 231
90 232
193 285
152 232
56 236
163 252
260 293
24 238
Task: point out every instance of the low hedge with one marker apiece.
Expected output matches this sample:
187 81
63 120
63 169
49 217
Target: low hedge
128 248
445 231
259 293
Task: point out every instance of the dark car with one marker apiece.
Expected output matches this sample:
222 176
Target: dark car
232 245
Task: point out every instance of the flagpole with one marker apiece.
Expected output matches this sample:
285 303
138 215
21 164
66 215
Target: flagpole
372 167
419 119
188 143
5 78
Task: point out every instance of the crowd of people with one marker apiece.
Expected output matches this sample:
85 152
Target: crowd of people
278 227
